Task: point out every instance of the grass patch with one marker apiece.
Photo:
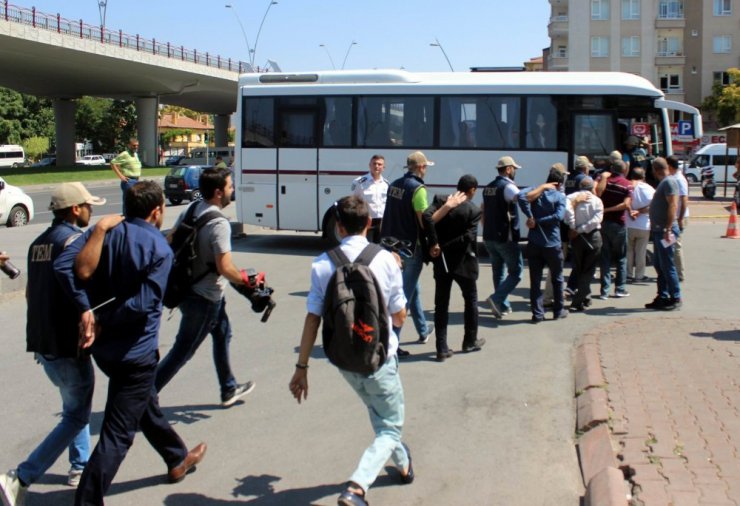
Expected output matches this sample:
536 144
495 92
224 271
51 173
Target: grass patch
25 176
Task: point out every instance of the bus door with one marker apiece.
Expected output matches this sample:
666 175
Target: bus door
297 163
593 135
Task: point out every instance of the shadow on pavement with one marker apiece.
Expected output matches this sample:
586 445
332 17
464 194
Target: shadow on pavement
258 490
175 414
720 335
295 245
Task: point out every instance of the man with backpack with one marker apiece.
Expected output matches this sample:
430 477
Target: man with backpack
204 307
374 278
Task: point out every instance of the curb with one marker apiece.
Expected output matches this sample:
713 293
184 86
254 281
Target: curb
605 482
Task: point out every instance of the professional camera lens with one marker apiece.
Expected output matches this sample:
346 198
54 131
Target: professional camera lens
10 270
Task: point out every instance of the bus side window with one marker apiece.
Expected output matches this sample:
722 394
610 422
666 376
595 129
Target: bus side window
337 130
541 123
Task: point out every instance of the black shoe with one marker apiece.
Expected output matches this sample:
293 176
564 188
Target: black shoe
349 498
409 478
402 353
537 319
671 304
657 303
676 302
474 346
577 308
561 315
444 355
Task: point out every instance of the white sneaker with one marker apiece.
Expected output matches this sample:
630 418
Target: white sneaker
13 493
73 477
239 392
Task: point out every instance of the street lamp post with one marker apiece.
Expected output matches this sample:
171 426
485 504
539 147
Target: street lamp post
353 43
257 39
102 4
334 67
244 33
438 44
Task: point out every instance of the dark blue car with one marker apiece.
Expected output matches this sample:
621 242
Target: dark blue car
182 183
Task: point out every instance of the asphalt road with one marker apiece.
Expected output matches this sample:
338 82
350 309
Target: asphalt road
494 427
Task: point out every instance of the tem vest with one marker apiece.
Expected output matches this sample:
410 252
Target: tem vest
399 218
500 217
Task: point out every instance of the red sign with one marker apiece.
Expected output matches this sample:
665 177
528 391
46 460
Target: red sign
640 129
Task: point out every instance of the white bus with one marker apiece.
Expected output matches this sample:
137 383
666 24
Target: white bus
301 138
12 155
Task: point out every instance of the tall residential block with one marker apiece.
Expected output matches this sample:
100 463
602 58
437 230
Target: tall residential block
682 46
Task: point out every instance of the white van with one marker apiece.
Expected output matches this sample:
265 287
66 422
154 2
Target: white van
12 155
197 156
716 156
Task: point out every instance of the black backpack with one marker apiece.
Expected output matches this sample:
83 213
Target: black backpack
185 247
355 330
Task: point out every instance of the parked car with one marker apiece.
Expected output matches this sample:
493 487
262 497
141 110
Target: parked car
108 157
47 161
716 156
173 160
16 208
182 183
91 160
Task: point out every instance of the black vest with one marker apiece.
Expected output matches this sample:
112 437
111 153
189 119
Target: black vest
52 316
500 217
399 217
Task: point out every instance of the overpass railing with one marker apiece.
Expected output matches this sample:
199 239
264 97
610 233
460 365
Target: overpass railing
82 30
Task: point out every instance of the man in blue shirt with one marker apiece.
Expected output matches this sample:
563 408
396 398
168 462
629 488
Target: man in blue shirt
124 272
544 208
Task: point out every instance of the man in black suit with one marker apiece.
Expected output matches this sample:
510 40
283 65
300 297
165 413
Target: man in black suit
452 224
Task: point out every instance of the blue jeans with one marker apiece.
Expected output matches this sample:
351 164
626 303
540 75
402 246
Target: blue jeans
668 284
507 265
613 251
539 257
125 186
412 291
382 393
200 317
75 380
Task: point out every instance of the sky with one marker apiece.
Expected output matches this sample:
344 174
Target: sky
388 33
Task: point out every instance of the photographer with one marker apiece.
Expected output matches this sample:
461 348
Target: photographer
204 310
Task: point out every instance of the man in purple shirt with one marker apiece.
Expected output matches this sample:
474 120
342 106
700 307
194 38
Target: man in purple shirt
616 194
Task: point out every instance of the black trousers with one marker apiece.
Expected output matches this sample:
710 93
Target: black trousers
373 233
443 286
132 404
586 256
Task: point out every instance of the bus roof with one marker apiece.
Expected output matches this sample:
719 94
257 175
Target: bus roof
400 81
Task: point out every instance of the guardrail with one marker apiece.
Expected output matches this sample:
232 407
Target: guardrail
82 30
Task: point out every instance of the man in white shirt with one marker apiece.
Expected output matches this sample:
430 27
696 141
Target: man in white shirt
638 226
683 211
584 213
373 189
381 391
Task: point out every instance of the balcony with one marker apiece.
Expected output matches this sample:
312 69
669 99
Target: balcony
675 95
669 58
670 22
558 61
558 26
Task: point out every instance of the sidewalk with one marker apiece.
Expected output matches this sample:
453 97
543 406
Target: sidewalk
673 390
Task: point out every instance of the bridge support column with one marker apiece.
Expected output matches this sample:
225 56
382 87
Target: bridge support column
221 130
146 130
64 124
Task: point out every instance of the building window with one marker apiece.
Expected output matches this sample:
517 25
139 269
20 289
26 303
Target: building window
630 9
722 44
722 78
670 9
599 9
670 82
599 47
562 52
723 8
631 46
669 46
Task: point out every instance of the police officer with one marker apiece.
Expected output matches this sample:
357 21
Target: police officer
373 189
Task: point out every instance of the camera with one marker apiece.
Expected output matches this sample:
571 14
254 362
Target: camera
255 289
10 270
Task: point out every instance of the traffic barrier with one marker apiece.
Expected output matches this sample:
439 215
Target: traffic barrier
732 231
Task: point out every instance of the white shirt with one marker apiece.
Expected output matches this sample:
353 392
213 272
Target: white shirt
383 266
586 216
642 195
373 192
683 191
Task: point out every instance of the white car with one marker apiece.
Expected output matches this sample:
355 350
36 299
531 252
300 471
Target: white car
16 208
91 160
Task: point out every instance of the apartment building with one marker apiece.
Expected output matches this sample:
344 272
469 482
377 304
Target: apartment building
682 46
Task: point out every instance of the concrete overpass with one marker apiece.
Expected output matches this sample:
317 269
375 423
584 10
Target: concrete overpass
49 56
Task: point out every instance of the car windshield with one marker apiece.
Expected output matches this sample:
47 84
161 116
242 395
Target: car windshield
699 161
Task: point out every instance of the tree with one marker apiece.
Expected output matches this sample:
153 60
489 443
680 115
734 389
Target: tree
117 126
723 105
36 146
89 119
11 112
